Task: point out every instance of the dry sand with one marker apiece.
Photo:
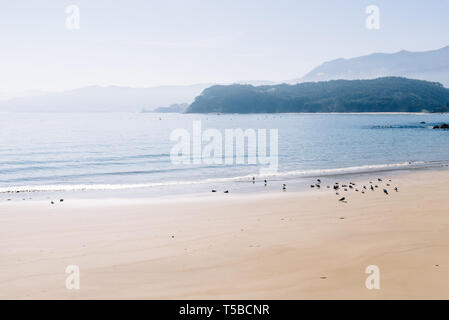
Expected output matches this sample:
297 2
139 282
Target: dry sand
292 245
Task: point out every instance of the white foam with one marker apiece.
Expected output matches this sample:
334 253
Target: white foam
304 173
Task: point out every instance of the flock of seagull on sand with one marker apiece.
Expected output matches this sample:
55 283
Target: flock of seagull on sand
354 187
338 188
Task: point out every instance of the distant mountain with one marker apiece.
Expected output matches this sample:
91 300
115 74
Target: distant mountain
104 99
174 108
428 65
391 94
107 99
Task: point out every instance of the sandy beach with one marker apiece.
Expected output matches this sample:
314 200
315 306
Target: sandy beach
285 245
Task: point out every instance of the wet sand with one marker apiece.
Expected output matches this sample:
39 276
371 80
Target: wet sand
277 245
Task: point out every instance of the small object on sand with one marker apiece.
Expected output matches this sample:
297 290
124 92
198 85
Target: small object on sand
337 193
342 218
372 188
388 184
396 189
323 278
61 200
318 186
376 186
380 180
214 190
172 237
364 187
312 186
363 192
342 199
227 191
328 187
52 202
319 181
284 187
385 191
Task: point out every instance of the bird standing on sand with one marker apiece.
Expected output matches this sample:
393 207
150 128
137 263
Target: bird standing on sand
372 188
319 181
226 191
396 189
385 191
342 199
284 187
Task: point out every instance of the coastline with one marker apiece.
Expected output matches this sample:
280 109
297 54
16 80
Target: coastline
291 245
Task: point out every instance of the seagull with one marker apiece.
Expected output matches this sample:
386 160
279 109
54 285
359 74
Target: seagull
396 189
342 199
385 191
319 181
226 191
372 189
214 190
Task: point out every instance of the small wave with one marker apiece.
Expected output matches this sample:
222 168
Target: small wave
293 173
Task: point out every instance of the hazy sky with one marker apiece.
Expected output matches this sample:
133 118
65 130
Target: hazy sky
149 43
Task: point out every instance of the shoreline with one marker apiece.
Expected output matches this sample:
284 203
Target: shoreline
297 180
292 245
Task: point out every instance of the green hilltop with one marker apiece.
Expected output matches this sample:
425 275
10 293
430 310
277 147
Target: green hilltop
389 94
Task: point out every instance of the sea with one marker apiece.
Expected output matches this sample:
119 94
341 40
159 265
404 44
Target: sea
45 155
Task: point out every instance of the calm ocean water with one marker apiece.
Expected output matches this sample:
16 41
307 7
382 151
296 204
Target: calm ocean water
130 153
